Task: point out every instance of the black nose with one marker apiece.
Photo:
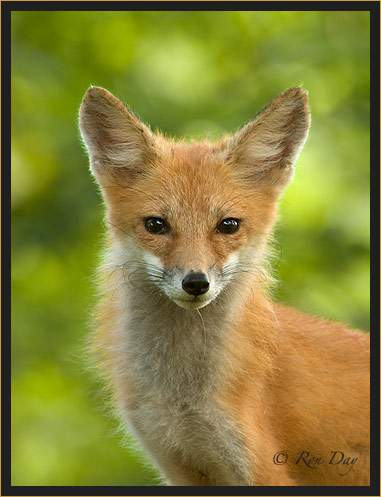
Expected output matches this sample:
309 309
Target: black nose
196 283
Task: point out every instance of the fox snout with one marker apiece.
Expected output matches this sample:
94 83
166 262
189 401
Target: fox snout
191 289
196 283
188 288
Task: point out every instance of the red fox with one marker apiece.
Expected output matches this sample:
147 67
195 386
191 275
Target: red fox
220 385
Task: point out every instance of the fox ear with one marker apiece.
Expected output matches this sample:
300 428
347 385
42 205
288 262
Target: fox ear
118 143
266 149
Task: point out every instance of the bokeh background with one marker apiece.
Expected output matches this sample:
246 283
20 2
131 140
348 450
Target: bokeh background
187 73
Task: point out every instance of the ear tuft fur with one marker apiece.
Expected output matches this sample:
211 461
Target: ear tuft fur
266 149
115 138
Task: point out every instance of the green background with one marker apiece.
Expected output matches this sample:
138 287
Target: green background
187 73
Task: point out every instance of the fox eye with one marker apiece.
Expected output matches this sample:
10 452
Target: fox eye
228 226
156 225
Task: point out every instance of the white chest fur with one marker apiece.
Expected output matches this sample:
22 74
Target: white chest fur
172 357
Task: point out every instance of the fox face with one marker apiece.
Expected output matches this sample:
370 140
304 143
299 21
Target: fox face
190 225
191 218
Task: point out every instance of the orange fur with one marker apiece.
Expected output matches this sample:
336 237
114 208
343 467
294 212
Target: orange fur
213 392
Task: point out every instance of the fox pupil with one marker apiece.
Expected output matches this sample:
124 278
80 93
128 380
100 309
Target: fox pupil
228 226
156 225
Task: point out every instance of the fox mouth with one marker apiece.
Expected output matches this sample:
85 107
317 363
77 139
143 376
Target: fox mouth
187 299
193 290
195 303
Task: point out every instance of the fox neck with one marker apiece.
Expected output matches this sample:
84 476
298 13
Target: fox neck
175 351
172 353
174 361
168 351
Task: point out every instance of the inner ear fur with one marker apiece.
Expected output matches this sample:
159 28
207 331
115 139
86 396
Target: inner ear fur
117 141
265 150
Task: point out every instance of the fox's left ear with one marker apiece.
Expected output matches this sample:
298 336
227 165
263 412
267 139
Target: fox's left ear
265 150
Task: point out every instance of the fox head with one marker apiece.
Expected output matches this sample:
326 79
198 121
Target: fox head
192 216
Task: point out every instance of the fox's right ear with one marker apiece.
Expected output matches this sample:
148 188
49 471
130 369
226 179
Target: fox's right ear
118 143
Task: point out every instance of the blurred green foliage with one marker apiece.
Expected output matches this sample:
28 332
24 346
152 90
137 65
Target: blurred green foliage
187 73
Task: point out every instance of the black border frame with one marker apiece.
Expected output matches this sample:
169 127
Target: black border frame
7 7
